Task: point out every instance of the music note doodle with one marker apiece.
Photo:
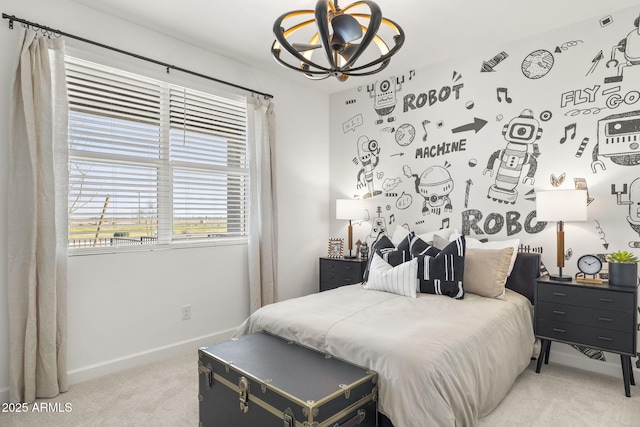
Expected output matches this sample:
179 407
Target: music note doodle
445 223
572 127
392 218
506 96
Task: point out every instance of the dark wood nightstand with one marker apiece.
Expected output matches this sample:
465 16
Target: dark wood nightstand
336 272
591 315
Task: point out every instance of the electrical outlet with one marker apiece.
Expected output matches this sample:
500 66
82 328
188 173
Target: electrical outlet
186 312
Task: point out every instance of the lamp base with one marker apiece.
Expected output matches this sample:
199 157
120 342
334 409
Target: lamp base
560 277
350 257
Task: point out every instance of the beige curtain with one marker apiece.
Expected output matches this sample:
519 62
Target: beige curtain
37 228
263 220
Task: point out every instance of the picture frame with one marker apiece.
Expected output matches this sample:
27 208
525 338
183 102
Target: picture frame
335 248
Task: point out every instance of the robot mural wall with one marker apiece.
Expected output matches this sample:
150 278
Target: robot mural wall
521 133
630 48
435 185
369 155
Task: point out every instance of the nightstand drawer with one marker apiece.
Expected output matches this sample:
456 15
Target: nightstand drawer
596 298
604 339
339 272
339 266
605 319
340 277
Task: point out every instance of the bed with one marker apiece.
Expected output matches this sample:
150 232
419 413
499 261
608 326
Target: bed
441 361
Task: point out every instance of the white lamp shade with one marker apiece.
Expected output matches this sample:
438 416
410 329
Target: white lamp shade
350 209
561 205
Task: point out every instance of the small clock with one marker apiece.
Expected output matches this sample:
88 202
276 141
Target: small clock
589 264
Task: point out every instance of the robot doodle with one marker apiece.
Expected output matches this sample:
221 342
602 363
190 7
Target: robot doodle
384 97
618 140
369 155
435 185
634 206
521 133
630 48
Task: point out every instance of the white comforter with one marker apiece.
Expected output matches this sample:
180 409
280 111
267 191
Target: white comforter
440 361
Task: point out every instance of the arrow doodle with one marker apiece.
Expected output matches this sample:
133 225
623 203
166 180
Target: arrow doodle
466 193
397 154
605 244
476 126
595 61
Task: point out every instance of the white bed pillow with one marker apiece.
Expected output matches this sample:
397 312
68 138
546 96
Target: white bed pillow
399 234
493 244
401 280
445 233
486 271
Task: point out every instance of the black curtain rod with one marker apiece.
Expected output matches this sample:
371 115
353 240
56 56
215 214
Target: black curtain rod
57 33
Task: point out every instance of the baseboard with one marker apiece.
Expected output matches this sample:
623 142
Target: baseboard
609 367
86 373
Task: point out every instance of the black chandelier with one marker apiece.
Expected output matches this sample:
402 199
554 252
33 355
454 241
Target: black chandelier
344 35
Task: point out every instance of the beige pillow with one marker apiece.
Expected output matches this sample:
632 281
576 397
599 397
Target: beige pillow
486 271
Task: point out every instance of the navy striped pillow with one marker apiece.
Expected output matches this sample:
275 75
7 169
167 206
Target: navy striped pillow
443 273
388 251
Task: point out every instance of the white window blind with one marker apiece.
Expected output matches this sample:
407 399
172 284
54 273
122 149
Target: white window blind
151 163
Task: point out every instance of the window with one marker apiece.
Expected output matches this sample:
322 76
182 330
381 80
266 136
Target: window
151 163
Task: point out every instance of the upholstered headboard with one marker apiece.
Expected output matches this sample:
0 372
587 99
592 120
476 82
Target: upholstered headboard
525 272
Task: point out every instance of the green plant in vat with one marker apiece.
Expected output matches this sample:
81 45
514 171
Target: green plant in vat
622 257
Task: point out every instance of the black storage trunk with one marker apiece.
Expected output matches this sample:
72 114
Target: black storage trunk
262 380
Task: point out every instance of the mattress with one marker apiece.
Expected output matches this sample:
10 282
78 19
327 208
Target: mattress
441 362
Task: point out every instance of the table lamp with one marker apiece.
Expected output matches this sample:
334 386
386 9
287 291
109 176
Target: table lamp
561 206
352 210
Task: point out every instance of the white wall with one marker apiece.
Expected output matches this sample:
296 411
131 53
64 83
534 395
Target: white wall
427 102
125 309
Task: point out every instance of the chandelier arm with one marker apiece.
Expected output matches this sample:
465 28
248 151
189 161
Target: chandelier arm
276 55
372 29
281 39
367 73
399 39
322 7
278 31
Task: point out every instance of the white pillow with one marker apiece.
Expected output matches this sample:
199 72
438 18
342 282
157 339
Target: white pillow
399 234
494 244
401 280
445 233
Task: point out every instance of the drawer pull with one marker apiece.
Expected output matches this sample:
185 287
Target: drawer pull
559 312
348 268
605 299
560 294
605 319
559 330
605 338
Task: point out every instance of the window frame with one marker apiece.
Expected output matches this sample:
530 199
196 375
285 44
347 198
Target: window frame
166 178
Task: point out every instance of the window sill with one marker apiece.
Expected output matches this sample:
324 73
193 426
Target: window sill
231 241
